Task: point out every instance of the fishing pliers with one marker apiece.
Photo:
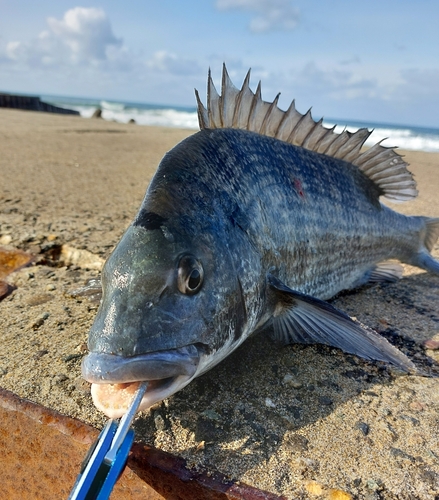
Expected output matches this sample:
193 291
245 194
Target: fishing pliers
108 455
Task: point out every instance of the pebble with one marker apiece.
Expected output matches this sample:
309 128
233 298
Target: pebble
432 344
159 422
82 348
38 299
59 378
372 496
363 427
416 406
5 239
339 495
269 403
397 453
408 418
39 354
36 323
200 446
325 401
206 430
292 381
82 385
314 488
50 287
34 249
71 357
211 415
296 443
372 484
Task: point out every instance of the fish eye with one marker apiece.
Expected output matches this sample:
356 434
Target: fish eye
190 275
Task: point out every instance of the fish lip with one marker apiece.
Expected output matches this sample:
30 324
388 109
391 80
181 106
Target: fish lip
157 390
104 368
166 371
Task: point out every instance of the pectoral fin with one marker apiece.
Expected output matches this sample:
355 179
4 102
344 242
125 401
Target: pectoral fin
300 318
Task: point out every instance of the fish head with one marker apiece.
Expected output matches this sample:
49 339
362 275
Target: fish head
163 311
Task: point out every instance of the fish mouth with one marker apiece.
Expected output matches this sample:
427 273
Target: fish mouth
115 378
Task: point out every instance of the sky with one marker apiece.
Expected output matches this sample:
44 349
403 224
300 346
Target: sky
370 61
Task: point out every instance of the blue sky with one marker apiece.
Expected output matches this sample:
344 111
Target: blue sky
372 61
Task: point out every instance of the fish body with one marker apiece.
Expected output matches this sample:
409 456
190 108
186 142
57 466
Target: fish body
248 224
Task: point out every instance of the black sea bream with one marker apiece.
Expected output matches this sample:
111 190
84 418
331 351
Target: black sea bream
252 222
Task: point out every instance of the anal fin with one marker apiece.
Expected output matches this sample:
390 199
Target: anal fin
300 318
386 271
380 273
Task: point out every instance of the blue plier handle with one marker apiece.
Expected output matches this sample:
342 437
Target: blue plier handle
107 457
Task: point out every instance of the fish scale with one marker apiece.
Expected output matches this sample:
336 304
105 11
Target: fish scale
321 255
248 225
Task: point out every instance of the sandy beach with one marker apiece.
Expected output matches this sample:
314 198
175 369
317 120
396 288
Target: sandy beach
304 422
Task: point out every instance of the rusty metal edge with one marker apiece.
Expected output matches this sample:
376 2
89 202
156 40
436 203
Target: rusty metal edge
171 477
167 474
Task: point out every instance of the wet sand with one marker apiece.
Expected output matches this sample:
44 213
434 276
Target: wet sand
298 421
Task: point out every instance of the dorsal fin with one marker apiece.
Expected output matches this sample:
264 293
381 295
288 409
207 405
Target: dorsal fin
246 110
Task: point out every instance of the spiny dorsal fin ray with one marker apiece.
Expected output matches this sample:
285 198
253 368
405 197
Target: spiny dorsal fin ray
229 96
203 118
246 110
213 105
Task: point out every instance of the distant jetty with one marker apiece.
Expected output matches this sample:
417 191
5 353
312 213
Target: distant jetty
31 103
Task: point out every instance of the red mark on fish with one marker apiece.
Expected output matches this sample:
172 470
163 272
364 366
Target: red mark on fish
299 188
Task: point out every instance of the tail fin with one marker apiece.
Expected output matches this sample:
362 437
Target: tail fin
423 258
432 227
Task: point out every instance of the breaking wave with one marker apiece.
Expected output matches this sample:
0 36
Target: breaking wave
404 137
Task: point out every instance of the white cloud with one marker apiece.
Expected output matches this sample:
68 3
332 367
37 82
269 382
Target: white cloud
168 62
86 32
270 15
83 36
336 82
421 81
13 50
362 92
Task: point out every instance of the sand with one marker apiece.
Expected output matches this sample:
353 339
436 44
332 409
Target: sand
298 421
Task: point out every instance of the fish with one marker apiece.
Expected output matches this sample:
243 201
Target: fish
250 225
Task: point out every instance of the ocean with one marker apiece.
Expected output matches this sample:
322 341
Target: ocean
402 136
